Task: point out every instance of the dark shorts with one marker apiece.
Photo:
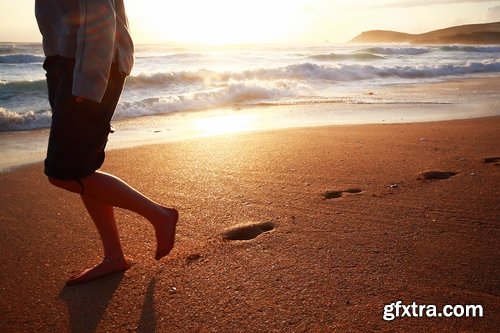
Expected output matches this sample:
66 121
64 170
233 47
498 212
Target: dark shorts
79 131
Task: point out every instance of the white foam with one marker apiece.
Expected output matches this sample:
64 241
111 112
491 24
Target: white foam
397 50
235 92
311 71
20 59
170 79
14 121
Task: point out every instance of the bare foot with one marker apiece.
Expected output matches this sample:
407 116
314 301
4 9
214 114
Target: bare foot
106 267
165 232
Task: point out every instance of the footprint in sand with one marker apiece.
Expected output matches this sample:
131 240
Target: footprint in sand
339 194
492 160
194 258
248 231
429 175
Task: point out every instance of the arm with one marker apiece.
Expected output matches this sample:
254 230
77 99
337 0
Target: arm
95 48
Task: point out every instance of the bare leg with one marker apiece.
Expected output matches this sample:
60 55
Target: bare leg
114 261
112 191
104 220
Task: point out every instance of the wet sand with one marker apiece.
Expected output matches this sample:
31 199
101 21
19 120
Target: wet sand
295 230
450 99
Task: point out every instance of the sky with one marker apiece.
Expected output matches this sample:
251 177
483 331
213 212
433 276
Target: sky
267 21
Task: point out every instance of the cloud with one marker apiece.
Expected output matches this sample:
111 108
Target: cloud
418 3
493 14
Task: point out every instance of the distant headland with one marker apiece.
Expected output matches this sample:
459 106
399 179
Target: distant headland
487 33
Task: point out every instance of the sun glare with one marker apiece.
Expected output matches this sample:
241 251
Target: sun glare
216 21
223 124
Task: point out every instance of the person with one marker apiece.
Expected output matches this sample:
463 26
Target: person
88 53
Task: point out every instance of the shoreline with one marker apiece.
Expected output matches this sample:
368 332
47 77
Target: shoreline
452 99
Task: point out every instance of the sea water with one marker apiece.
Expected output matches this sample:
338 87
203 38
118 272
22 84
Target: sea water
169 79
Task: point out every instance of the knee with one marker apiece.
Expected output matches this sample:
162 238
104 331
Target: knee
64 184
68 185
55 182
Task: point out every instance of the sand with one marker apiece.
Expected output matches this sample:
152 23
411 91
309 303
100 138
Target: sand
336 221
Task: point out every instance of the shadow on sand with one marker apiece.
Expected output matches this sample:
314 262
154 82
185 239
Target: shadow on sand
148 320
87 302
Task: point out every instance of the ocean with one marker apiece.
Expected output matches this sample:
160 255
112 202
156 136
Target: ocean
171 79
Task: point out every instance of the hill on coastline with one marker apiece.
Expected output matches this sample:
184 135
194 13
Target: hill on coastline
487 33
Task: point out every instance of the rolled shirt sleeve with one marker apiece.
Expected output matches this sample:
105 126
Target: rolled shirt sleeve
95 48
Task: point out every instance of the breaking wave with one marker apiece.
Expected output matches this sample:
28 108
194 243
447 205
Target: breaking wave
361 56
233 93
263 78
397 50
466 48
311 71
20 59
13 121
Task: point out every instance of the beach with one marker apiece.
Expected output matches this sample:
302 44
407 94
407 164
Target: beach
300 166
317 186
342 221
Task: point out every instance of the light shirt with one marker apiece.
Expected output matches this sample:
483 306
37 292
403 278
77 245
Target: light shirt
93 32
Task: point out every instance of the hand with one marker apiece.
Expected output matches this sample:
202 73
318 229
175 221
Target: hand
79 99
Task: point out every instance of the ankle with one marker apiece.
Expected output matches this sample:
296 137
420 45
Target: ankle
113 258
160 214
